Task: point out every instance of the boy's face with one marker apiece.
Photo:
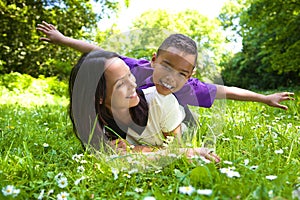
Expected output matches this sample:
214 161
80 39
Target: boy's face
172 68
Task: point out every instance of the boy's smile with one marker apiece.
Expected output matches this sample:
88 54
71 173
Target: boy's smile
172 68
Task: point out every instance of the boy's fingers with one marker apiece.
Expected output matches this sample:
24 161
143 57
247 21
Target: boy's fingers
290 93
288 98
282 106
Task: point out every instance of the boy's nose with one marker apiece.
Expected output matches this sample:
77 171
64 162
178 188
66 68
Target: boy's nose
170 78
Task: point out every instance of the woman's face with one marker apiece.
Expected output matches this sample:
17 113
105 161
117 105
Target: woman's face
120 85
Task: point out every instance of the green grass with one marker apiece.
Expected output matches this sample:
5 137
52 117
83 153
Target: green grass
37 143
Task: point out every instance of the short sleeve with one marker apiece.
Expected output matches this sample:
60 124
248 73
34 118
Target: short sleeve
196 93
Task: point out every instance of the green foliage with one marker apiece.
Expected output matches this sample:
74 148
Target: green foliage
23 83
270 55
152 27
21 49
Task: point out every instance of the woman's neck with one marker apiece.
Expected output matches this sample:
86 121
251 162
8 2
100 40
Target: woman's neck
122 115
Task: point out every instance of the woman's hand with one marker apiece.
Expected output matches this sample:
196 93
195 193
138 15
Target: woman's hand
201 151
53 35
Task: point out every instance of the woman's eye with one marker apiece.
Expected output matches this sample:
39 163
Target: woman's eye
120 84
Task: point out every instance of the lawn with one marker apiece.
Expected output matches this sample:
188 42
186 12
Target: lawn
42 159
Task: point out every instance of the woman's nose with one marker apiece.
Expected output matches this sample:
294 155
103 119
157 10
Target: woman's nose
132 83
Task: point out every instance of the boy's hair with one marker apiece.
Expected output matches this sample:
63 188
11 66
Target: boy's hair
180 42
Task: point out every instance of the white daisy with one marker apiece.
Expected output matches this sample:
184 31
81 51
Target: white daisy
77 181
8 190
50 192
45 145
187 189
227 162
254 167
127 175
207 192
80 169
62 182
134 170
225 139
58 176
229 172
15 192
232 174
77 157
238 137
138 190
271 177
41 195
279 151
149 198
296 193
115 173
62 196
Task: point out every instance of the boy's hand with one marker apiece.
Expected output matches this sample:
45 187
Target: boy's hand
275 99
53 35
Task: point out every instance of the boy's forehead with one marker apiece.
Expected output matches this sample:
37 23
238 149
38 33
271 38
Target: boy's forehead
175 53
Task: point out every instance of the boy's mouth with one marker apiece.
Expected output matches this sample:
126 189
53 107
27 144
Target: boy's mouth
166 85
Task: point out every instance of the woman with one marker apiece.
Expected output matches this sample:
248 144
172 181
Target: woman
106 106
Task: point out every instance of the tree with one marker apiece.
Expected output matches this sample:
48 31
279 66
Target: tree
271 54
21 50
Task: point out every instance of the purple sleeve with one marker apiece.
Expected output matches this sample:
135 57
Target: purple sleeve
141 69
133 62
196 93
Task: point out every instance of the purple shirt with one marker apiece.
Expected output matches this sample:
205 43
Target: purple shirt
194 92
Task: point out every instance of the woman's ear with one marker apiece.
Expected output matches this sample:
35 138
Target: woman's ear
101 101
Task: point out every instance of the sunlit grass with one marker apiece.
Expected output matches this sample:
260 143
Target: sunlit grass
259 143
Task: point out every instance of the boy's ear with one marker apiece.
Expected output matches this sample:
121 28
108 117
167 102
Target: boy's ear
153 59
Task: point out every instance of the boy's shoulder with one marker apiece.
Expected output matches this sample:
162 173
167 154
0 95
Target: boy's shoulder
153 97
133 62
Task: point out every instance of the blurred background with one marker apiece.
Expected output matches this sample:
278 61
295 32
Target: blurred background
253 44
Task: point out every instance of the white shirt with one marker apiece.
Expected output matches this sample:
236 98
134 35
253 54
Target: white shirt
165 114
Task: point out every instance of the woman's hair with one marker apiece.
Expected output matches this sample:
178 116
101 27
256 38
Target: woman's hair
104 114
72 79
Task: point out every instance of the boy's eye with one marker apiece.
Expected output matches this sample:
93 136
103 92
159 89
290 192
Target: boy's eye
167 68
183 75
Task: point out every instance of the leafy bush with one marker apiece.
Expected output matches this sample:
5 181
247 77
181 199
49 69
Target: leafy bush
17 83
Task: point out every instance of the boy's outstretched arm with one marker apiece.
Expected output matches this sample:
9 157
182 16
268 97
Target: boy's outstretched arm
235 93
56 37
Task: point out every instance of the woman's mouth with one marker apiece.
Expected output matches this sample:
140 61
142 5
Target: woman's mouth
131 96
